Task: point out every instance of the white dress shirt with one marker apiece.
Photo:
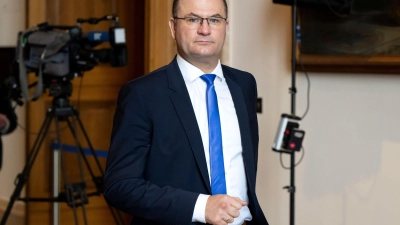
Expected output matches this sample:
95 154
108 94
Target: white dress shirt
231 141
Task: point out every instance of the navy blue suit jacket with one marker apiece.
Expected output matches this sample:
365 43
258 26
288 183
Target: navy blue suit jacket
156 166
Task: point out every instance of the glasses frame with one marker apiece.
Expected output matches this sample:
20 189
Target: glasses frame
202 19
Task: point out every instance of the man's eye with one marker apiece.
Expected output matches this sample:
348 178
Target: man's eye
213 20
192 19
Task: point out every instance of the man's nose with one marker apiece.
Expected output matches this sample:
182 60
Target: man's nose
202 20
204 27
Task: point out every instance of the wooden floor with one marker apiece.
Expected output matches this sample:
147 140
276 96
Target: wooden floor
17 215
66 216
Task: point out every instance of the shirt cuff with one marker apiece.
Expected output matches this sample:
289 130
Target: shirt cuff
199 213
5 128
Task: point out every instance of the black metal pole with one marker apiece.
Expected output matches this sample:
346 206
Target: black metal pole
292 189
293 91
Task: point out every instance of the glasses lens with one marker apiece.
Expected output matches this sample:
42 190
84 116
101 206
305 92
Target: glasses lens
192 20
215 21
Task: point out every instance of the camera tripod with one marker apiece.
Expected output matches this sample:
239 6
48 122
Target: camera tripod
74 194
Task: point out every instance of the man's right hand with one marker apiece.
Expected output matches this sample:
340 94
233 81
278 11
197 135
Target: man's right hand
223 209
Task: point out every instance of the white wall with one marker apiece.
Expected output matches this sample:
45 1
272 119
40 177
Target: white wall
350 172
12 20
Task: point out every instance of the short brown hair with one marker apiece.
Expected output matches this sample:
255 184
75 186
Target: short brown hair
175 8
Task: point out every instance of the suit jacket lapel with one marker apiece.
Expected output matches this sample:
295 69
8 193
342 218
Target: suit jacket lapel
183 106
243 120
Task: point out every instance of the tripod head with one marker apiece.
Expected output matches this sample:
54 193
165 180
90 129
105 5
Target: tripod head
61 91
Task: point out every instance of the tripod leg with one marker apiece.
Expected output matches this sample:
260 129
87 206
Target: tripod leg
56 186
82 192
70 188
90 145
23 177
97 180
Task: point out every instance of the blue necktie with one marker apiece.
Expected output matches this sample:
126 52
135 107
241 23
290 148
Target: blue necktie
218 185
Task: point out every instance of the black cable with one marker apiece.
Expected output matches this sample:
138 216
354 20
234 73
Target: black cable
298 163
308 87
298 35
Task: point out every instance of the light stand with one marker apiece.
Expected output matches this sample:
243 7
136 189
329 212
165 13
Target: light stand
288 137
292 188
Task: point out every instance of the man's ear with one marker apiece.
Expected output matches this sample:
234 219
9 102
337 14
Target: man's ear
172 27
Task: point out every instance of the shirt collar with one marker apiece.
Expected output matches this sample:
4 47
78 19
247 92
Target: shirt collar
190 73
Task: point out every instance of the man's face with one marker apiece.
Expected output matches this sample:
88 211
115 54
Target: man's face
202 43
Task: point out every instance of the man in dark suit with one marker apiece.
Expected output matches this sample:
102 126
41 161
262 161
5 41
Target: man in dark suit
8 118
159 168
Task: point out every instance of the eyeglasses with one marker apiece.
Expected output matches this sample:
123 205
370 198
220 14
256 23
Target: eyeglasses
195 21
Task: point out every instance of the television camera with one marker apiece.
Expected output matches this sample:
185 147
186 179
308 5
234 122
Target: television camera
57 54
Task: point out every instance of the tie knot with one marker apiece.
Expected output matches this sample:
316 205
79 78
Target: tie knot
208 78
